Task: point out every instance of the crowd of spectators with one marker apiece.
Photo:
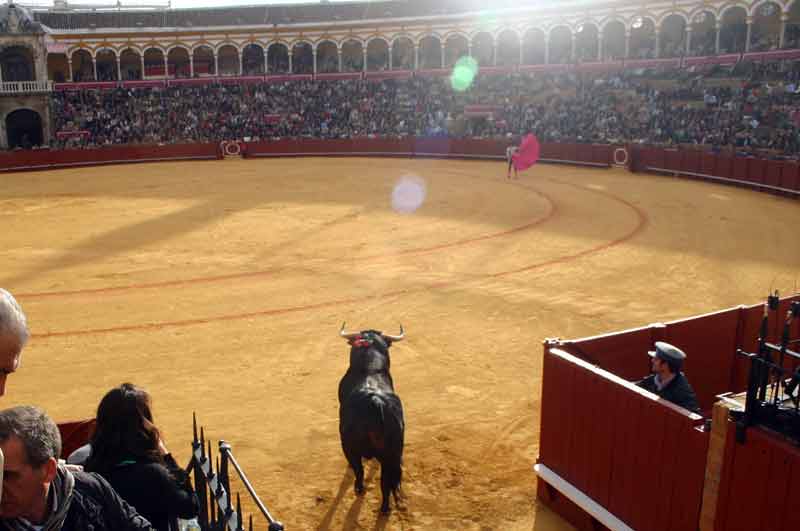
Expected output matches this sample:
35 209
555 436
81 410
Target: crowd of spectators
759 111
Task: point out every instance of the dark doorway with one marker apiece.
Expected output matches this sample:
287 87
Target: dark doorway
24 129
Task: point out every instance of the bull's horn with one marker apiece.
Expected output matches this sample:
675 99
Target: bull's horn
396 338
347 335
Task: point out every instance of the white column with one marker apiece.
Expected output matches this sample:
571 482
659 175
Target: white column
521 52
688 40
749 31
119 69
69 69
94 67
365 59
391 59
216 64
600 46
241 62
266 61
573 51
191 64
314 56
339 50
166 66
547 49
782 38
718 27
441 49
416 56
658 43
143 70
291 53
494 59
627 43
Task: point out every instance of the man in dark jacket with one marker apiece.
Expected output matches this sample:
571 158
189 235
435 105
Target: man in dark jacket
40 494
667 380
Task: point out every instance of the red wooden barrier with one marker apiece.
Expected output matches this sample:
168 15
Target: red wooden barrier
773 173
759 483
621 446
756 170
75 434
45 158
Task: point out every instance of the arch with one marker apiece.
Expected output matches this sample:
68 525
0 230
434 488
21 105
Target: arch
791 37
672 35
327 57
154 62
18 63
483 48
430 52
455 47
732 5
614 39
82 67
352 55
402 53
587 43
674 13
178 62
642 39
612 20
228 60
24 129
106 59
203 60
302 57
766 27
733 29
533 46
704 33
560 45
253 59
130 63
57 67
508 48
278 58
377 54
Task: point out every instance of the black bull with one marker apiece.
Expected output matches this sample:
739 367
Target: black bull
371 421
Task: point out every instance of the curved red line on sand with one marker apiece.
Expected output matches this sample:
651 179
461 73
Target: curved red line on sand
642 221
552 209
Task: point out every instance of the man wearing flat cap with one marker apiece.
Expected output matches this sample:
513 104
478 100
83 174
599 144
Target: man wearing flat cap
667 380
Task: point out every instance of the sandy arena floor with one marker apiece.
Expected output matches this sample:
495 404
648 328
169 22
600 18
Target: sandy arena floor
221 287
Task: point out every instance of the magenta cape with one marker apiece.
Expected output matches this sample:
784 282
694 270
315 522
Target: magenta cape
527 154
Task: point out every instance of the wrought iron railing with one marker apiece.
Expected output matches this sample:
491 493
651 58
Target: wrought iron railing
217 512
773 390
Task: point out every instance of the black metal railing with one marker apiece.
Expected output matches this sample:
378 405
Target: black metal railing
217 512
773 390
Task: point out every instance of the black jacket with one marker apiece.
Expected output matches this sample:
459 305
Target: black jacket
678 391
160 493
96 507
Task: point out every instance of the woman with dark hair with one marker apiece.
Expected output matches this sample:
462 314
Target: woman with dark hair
128 451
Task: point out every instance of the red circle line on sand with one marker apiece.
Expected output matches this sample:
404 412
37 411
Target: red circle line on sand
551 211
642 221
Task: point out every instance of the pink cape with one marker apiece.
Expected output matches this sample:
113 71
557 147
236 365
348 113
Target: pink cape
527 154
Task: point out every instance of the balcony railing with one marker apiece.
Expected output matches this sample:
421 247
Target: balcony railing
25 87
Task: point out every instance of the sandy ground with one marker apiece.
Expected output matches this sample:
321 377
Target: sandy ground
221 287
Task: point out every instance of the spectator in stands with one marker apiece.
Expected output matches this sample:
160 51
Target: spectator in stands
667 380
13 336
41 494
127 449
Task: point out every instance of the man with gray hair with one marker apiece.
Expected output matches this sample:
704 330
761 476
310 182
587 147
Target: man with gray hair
13 336
42 495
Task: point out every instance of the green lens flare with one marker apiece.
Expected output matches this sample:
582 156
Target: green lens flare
464 73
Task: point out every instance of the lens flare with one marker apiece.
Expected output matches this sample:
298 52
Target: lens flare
408 194
464 73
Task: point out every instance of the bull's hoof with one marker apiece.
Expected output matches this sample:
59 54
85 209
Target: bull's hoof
359 489
385 510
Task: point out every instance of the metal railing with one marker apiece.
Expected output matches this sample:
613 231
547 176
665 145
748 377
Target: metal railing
213 489
25 87
773 390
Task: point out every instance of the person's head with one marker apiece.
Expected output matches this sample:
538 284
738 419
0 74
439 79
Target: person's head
13 336
124 429
666 359
31 444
